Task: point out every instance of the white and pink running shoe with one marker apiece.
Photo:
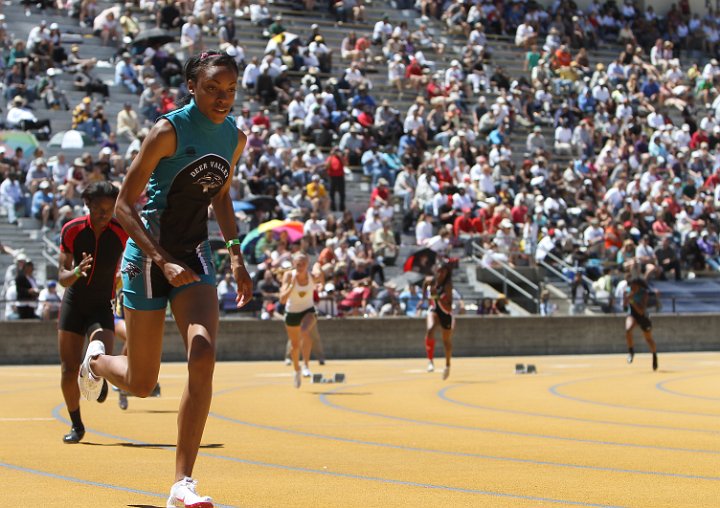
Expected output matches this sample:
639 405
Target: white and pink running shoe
183 492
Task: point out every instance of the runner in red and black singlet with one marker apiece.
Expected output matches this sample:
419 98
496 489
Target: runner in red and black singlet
439 292
90 251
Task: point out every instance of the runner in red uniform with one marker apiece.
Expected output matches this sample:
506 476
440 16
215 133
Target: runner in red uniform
90 251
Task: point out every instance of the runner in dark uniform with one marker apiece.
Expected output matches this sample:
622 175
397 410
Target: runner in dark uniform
439 291
90 251
636 299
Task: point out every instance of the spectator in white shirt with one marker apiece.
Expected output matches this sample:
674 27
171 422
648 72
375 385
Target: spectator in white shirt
382 31
563 138
424 229
525 35
190 36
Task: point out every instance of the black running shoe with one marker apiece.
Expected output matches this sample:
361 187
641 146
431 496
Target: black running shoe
74 436
655 362
156 391
103 392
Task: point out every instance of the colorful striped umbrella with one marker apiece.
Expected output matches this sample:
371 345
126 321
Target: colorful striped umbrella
294 229
19 139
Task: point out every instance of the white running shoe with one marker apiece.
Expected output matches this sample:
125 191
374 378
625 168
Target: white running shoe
306 372
184 492
431 366
297 379
446 372
90 386
288 361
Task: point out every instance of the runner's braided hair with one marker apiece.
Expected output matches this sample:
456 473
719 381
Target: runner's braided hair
202 61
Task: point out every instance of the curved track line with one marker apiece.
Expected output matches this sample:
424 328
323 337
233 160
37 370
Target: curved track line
554 389
661 386
324 400
80 480
56 414
457 454
442 394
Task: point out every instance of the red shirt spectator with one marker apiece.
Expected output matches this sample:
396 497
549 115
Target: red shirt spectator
463 224
613 239
712 180
381 191
660 228
362 44
433 89
365 119
697 139
518 214
261 120
674 207
562 57
478 224
442 173
494 223
414 69
335 165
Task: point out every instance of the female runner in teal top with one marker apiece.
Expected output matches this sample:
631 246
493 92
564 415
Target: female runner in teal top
186 162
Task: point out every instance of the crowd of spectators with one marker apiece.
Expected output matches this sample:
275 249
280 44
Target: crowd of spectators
617 173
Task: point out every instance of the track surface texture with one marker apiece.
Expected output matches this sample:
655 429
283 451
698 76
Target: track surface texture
586 431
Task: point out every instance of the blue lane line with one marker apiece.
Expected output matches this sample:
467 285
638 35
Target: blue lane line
457 454
56 414
662 387
324 400
80 481
443 395
555 390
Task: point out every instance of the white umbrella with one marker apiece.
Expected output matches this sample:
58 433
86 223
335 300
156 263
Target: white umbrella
100 18
70 139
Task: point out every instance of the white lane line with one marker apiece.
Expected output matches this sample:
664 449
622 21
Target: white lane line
27 419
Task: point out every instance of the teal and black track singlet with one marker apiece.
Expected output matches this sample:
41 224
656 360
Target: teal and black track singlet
179 192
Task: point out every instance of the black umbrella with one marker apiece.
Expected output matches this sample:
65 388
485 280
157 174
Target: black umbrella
154 36
421 261
264 203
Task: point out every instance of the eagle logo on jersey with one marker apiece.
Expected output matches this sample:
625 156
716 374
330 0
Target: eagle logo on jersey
209 181
131 270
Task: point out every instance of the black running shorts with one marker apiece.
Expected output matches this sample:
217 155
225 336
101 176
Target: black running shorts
446 320
642 320
78 317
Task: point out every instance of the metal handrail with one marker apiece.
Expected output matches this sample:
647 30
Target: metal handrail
50 245
508 282
567 265
51 251
50 259
510 269
552 269
585 278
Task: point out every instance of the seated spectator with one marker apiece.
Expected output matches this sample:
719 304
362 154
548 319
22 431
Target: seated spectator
44 207
384 244
49 302
126 75
411 301
19 116
668 259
